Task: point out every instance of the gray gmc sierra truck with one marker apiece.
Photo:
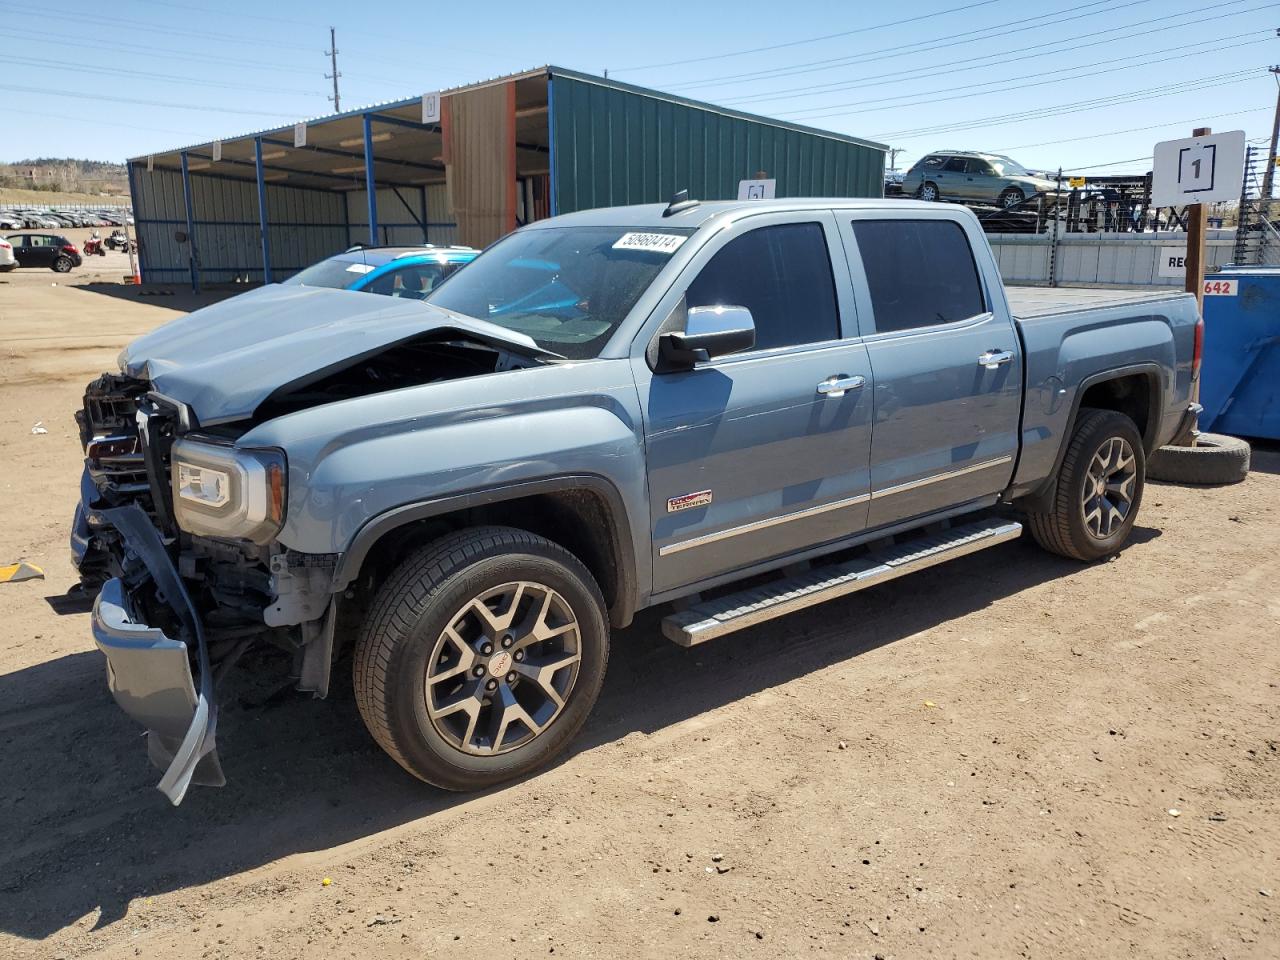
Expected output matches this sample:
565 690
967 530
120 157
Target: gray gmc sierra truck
606 411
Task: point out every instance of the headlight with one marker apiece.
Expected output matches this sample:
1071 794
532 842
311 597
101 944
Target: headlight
228 492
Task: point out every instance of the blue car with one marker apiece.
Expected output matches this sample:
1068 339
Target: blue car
409 272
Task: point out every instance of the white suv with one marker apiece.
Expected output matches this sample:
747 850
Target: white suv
7 260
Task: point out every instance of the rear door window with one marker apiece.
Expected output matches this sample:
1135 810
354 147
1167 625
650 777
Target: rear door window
956 165
782 274
412 282
920 272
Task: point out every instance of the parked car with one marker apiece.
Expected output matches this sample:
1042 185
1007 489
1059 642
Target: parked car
987 178
45 250
472 494
7 259
410 272
893 183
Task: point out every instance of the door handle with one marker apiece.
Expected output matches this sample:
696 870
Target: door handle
993 358
837 385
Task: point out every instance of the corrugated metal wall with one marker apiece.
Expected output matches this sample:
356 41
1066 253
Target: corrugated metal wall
304 226
613 146
1102 258
400 221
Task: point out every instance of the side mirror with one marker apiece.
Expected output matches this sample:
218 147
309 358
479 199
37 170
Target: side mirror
709 332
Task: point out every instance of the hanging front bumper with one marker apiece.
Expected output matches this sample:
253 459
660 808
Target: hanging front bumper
150 674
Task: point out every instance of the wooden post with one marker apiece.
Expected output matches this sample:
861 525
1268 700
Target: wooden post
1197 221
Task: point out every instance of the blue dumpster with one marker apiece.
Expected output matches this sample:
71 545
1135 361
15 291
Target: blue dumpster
1240 373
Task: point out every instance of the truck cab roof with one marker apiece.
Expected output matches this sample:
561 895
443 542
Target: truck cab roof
705 211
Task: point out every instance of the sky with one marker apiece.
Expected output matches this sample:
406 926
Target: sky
1053 83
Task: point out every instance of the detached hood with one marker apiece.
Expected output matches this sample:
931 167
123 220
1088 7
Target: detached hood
225 360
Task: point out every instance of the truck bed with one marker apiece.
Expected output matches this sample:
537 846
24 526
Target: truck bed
1026 303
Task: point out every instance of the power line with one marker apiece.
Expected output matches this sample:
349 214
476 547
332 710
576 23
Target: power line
147 103
797 43
1132 96
1117 133
148 26
151 51
142 74
101 121
924 46
381 36
839 109
966 64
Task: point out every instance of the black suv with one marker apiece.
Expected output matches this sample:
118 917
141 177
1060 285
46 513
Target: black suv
45 250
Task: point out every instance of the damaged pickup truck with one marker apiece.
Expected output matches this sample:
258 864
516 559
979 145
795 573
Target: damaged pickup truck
606 411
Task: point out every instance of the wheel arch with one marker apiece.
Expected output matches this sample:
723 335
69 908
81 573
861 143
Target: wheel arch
584 513
1134 389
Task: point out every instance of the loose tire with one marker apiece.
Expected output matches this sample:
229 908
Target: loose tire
62 265
481 657
1011 197
1215 459
1099 489
929 191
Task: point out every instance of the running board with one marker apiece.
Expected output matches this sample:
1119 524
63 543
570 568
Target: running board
714 618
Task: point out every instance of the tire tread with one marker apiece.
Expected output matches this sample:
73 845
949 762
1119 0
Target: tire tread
402 598
1051 529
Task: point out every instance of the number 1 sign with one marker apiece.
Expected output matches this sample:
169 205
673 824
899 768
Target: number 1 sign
1198 169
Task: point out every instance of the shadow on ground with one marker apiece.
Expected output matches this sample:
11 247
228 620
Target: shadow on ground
1265 457
174 296
82 828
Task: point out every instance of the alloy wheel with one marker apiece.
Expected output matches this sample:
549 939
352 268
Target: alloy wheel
502 670
1109 487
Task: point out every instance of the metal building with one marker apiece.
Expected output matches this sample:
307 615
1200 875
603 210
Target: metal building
464 165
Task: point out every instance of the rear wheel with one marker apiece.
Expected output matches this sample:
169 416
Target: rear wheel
62 265
1099 489
481 657
928 191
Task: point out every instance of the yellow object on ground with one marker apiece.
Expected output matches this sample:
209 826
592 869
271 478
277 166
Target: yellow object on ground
17 572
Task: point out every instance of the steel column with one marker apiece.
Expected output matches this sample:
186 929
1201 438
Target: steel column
369 183
422 191
551 140
262 210
191 225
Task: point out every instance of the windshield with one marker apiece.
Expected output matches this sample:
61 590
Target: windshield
566 287
338 273
1008 168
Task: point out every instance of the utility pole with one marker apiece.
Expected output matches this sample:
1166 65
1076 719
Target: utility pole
893 156
1275 135
332 54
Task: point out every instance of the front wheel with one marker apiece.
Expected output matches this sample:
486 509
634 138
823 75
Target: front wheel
481 657
1011 197
1099 489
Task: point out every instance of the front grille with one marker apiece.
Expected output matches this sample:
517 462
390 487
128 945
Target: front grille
109 432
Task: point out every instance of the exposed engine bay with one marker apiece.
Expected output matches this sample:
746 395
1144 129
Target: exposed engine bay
244 591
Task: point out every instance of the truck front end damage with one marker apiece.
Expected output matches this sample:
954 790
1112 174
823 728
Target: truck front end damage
176 609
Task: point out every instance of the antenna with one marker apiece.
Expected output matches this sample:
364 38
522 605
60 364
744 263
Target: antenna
332 54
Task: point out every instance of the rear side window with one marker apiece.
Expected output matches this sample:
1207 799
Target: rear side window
782 274
933 162
920 272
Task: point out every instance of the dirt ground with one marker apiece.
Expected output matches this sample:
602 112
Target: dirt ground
1008 756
